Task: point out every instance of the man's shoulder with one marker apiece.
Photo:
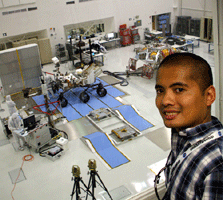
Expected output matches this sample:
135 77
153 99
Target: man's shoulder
212 154
203 130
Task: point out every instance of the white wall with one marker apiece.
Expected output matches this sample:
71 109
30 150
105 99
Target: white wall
56 14
197 8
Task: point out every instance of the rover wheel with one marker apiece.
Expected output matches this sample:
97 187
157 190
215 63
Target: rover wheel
63 102
101 91
84 97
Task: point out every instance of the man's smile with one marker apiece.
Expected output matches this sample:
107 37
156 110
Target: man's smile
170 114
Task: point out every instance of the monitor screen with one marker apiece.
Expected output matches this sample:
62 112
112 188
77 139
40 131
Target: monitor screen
110 35
29 122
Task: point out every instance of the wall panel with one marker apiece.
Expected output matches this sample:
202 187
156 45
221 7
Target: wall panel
26 1
7 3
12 79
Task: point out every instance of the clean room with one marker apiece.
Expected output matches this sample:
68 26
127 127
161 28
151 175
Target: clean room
78 109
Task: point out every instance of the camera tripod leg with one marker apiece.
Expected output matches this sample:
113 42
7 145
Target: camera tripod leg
78 191
103 185
88 190
72 194
76 187
91 183
88 187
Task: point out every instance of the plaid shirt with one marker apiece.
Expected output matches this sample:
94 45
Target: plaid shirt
200 175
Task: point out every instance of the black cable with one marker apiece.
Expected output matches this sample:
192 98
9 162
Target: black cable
86 191
155 186
89 193
117 75
66 136
156 181
41 153
99 184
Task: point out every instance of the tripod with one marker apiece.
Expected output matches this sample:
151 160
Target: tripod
77 180
92 180
76 188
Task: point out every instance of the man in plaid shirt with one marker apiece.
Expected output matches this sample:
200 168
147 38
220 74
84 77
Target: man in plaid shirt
185 93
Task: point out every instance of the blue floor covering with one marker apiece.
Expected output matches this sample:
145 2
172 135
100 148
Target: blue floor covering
106 150
77 109
130 115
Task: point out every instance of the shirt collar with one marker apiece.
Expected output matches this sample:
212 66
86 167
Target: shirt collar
196 133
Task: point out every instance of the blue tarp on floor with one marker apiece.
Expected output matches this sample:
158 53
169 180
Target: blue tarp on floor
108 100
76 108
130 115
40 100
107 151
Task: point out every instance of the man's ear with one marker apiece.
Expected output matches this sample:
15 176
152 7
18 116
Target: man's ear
210 95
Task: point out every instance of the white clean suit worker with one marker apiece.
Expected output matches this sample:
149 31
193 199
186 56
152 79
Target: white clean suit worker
48 79
100 47
15 125
11 105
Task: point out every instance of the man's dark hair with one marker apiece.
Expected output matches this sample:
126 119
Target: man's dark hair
200 69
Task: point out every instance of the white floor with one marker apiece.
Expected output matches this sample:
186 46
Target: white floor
45 179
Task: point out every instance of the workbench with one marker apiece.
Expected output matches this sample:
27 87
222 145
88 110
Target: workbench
87 58
115 40
193 38
185 46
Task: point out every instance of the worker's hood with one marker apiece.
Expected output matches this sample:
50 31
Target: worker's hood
8 98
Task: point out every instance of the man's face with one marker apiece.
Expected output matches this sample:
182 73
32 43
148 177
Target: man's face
179 98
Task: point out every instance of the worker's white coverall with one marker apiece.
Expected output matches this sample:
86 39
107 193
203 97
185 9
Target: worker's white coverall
102 48
15 124
11 105
48 79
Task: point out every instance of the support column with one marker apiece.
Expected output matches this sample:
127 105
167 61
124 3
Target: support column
218 52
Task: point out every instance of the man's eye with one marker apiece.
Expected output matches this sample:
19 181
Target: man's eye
179 89
158 91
